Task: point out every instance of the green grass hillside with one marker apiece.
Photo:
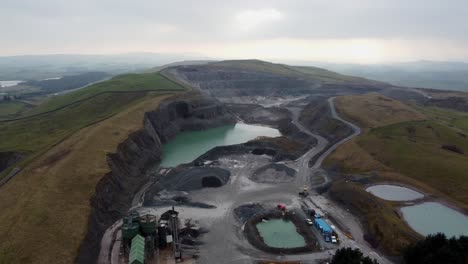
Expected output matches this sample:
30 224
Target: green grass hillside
12 109
415 150
332 77
63 115
121 83
404 144
451 118
409 141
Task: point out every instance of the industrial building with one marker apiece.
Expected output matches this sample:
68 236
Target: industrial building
143 235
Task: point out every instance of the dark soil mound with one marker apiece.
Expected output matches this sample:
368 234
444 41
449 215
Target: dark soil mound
211 181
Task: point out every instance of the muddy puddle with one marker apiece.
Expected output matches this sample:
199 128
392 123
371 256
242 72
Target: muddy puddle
394 192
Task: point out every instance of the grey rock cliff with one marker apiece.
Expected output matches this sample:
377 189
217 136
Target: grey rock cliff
141 151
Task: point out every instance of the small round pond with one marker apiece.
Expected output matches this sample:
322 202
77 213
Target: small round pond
187 146
432 217
279 233
394 192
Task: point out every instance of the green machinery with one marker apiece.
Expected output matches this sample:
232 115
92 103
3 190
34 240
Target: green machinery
139 234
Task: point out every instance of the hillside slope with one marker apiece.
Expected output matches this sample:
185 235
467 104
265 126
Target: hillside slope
308 72
63 115
411 145
46 207
374 110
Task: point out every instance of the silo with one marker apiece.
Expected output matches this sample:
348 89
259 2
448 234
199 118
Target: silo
129 231
148 225
135 216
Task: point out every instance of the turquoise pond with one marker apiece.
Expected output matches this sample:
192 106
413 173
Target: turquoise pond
278 233
187 146
432 217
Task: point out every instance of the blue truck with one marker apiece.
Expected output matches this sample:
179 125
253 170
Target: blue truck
325 229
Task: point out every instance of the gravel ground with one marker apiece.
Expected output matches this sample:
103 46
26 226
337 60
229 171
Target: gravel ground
225 242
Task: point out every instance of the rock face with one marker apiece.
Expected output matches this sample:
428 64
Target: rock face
141 151
226 81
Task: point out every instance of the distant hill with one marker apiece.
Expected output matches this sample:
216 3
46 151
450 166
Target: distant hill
39 67
308 72
420 74
68 82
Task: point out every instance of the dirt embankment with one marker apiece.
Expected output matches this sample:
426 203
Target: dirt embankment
280 149
316 116
9 158
273 173
384 228
137 154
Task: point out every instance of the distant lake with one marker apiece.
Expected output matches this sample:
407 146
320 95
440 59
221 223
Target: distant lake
53 78
9 83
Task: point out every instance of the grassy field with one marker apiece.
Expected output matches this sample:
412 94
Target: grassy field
451 118
415 150
32 135
330 76
121 83
12 109
400 143
374 110
407 140
259 66
45 208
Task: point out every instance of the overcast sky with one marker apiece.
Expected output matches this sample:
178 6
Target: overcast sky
363 31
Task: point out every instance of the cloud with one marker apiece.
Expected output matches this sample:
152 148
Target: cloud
250 20
87 26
